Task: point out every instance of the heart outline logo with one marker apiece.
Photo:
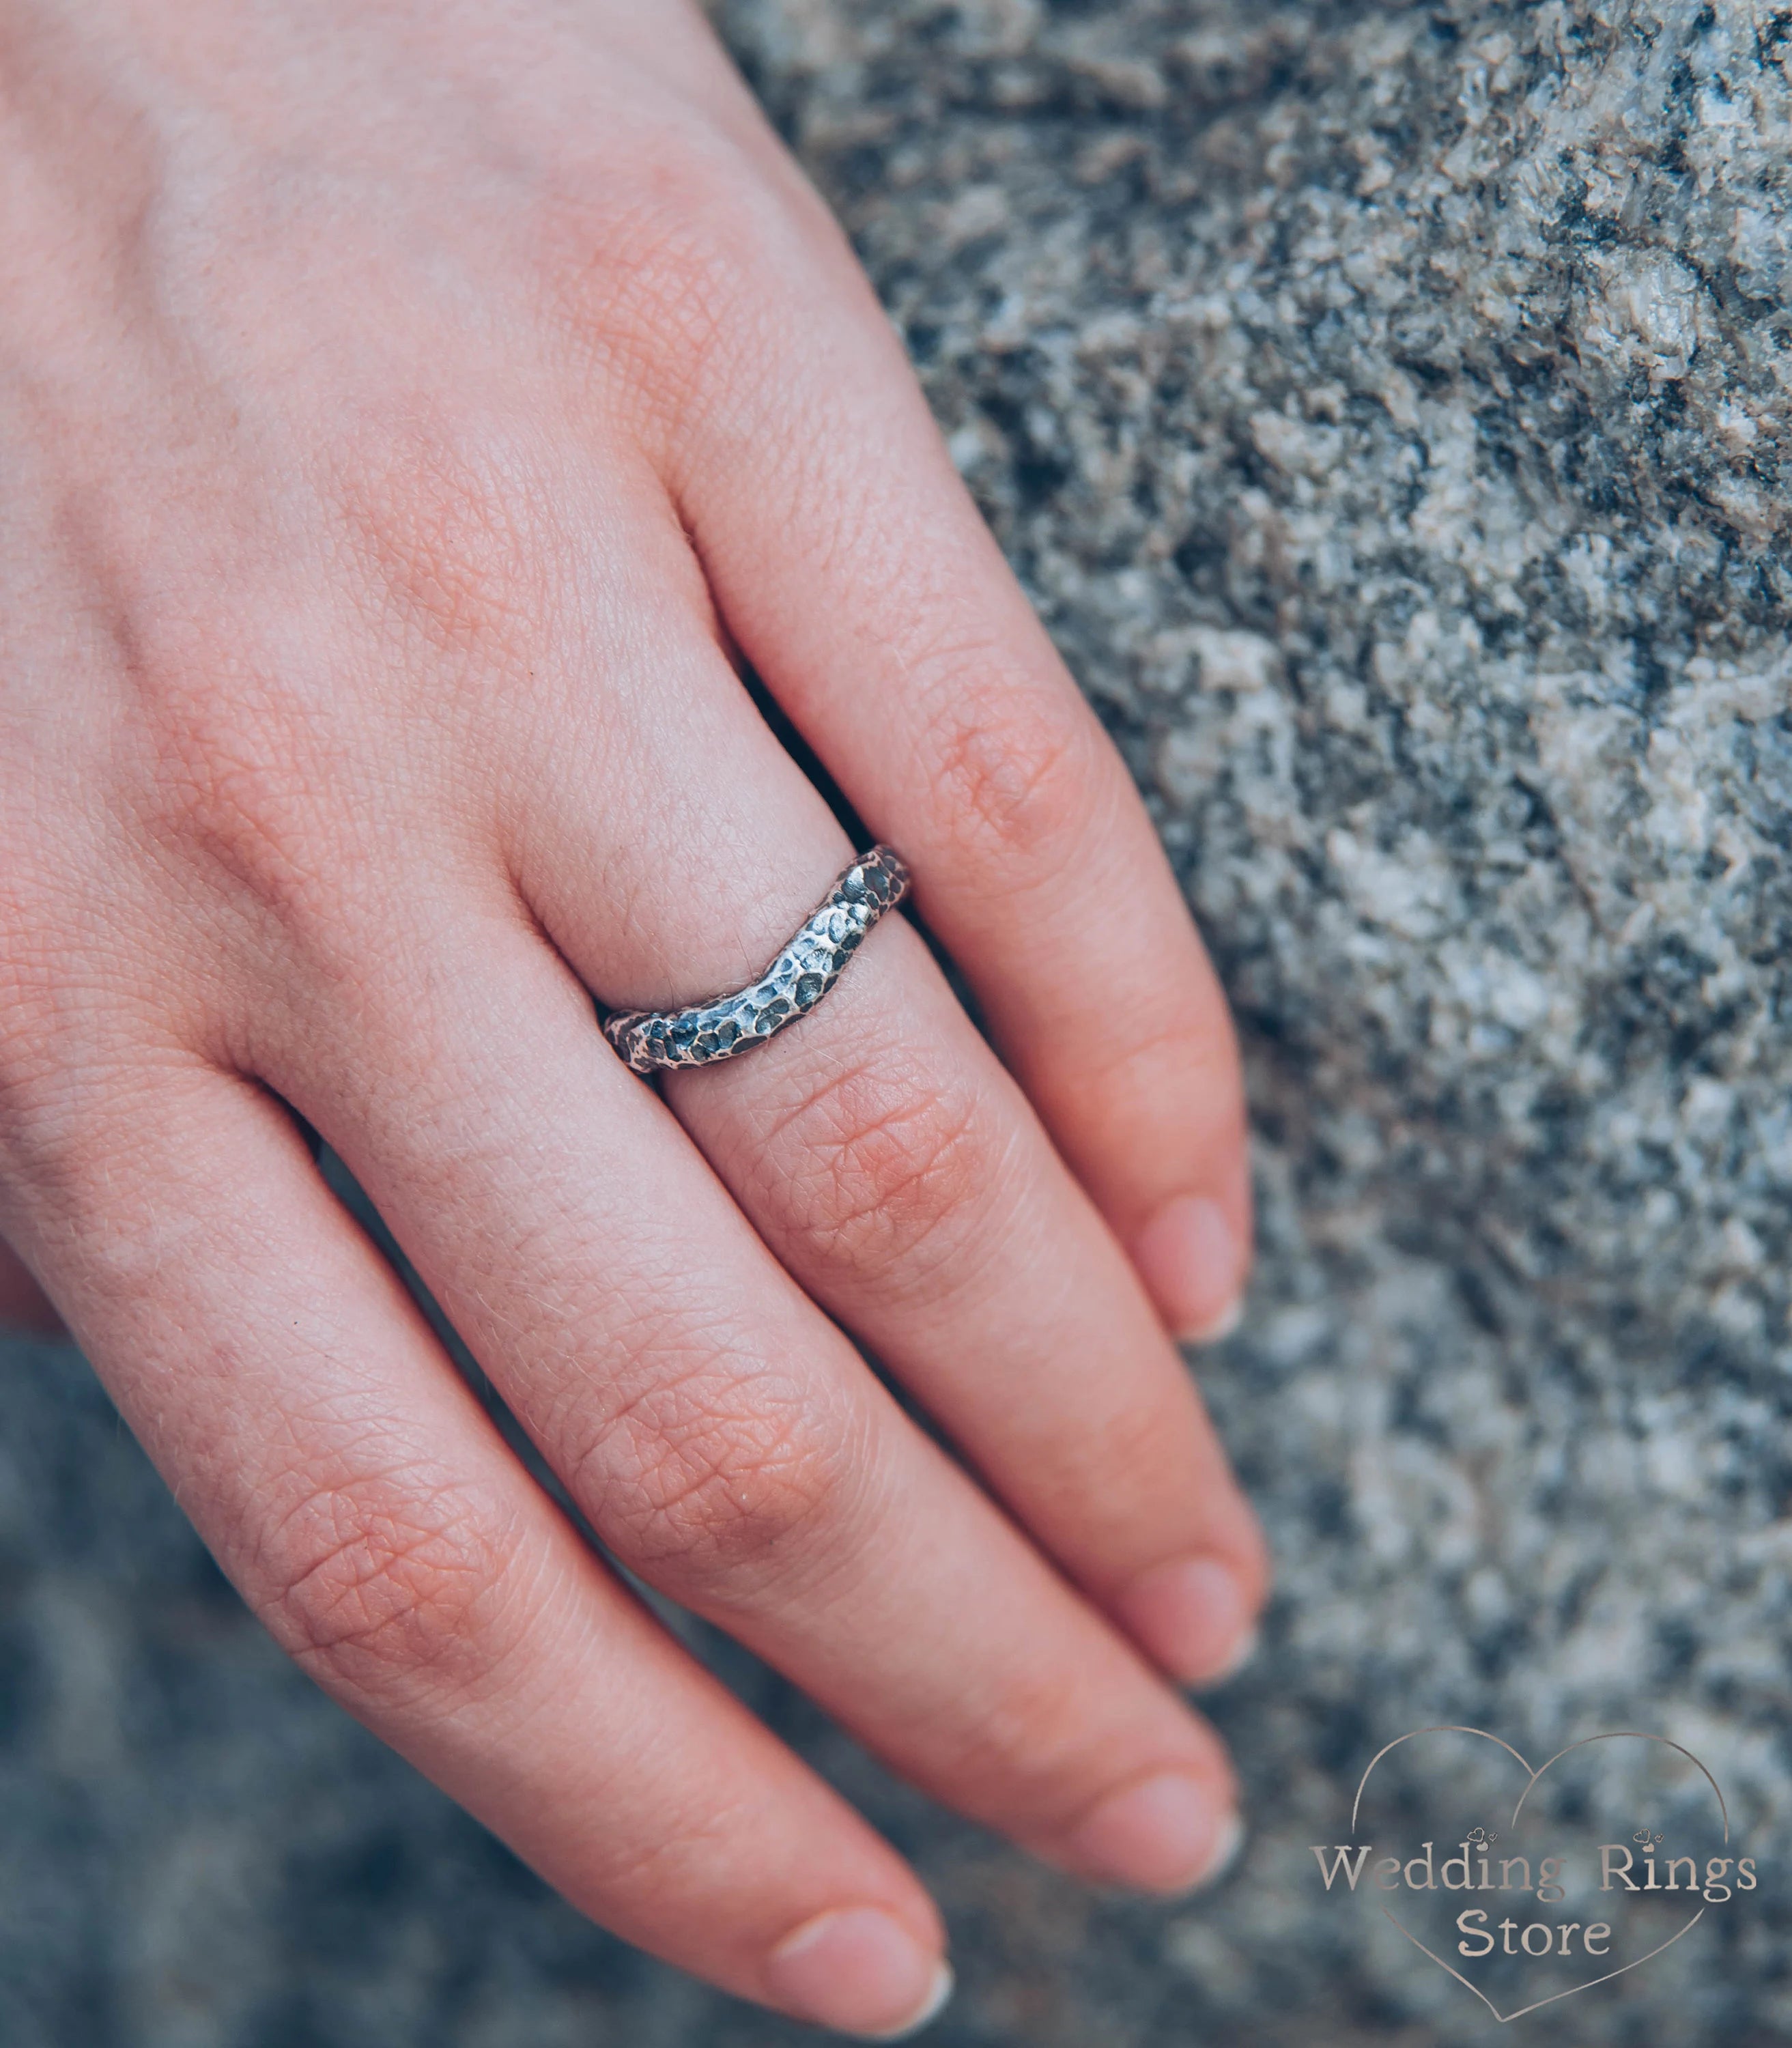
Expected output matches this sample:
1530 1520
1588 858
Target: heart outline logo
1532 1778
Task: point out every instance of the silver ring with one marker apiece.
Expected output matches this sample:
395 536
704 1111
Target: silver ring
790 988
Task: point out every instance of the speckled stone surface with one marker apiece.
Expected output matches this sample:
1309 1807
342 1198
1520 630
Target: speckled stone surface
1386 407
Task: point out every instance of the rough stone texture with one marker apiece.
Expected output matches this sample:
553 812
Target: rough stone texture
1386 406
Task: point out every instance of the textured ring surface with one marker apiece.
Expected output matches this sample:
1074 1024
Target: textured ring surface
791 987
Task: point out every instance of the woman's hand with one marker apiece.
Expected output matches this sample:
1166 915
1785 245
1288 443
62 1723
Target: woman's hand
406 412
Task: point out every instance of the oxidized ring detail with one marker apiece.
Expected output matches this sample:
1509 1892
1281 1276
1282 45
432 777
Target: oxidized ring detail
791 987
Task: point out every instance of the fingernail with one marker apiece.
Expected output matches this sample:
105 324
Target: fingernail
1194 1616
1248 1645
1192 1262
1169 1833
859 1971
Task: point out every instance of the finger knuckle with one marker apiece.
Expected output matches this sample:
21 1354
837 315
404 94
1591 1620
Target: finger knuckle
1171 1058
218 751
391 1589
682 286
231 778
720 1481
246 775
1019 769
231 804
446 536
1036 1732
1036 1726
883 1170
662 273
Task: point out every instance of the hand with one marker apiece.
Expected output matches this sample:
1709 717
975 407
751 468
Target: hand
407 411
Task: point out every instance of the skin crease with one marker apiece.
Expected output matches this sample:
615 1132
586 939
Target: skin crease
409 414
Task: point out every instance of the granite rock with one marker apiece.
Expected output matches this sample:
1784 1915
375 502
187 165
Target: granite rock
1386 406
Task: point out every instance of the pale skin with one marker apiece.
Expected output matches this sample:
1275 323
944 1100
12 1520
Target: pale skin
411 415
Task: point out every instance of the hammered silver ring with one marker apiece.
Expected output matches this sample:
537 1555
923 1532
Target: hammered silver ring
790 988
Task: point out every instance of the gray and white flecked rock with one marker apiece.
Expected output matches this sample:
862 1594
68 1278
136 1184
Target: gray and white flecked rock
1386 407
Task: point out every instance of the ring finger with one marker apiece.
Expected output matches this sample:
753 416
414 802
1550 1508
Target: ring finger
896 1171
